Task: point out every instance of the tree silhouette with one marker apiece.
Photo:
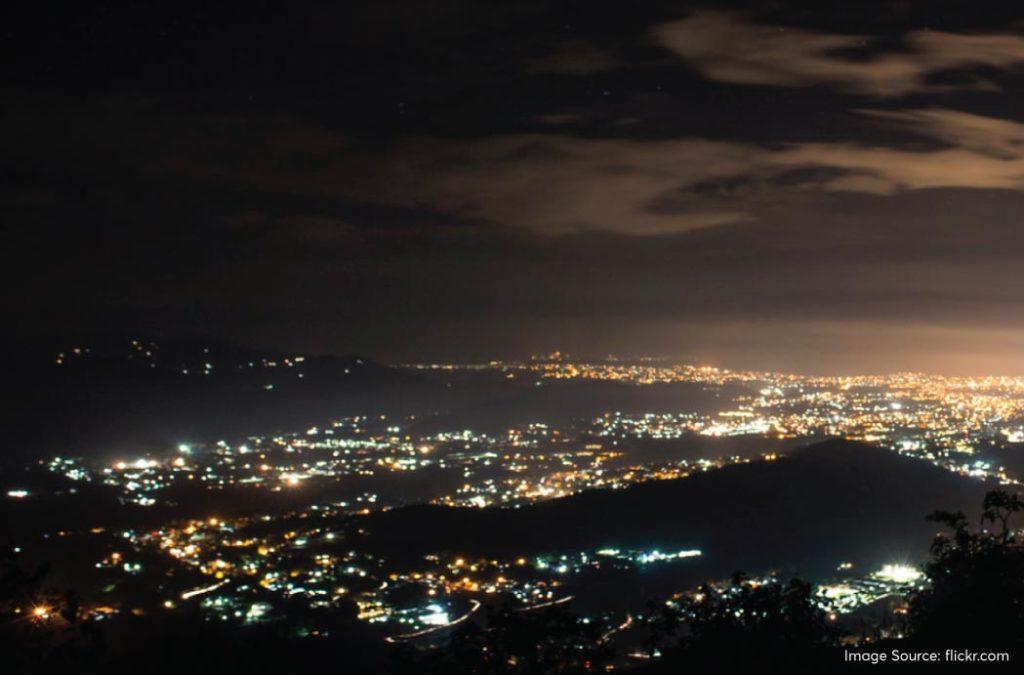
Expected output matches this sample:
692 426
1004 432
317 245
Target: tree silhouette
38 625
976 595
753 627
662 622
549 640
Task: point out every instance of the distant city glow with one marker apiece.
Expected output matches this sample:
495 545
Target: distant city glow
258 567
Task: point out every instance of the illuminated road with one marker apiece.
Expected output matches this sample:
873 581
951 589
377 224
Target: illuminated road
434 629
547 604
621 627
200 591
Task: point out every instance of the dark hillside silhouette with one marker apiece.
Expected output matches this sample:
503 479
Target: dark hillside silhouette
824 504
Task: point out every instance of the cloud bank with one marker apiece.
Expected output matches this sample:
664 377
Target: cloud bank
727 47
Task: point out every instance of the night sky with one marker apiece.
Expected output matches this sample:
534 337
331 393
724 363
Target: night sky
818 187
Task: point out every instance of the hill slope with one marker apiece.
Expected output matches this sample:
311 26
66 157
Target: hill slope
830 502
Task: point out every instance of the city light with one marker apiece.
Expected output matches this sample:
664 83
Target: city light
903 574
250 567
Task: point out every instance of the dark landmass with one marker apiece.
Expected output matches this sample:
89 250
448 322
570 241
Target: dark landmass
830 502
497 404
114 400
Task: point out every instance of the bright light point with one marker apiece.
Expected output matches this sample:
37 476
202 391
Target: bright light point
436 617
17 494
184 449
41 612
900 574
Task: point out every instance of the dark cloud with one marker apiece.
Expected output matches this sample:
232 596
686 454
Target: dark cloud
760 185
556 183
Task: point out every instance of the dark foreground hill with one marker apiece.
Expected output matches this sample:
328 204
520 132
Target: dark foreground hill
827 503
